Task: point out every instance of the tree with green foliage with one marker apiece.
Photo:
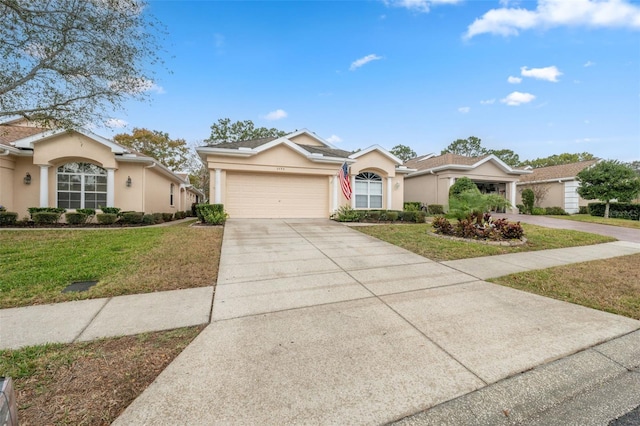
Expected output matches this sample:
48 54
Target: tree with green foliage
558 159
68 63
462 184
472 205
403 152
608 180
226 131
528 199
172 153
470 147
507 156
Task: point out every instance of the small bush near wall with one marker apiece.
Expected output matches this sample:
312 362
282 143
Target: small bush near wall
132 218
583 210
75 218
521 208
392 216
106 218
57 210
412 206
147 219
112 210
179 215
558 211
167 217
409 216
45 218
89 212
538 211
435 209
616 210
8 218
157 218
421 216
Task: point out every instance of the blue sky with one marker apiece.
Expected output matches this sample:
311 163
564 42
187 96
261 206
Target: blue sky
538 77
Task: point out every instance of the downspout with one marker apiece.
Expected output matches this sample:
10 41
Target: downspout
5 153
144 185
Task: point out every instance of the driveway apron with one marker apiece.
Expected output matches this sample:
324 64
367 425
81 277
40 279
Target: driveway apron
316 323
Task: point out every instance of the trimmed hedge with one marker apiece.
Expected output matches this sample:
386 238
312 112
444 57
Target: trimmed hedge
629 211
110 210
57 210
558 211
45 218
435 209
106 218
75 218
8 218
167 217
132 218
412 205
203 210
583 210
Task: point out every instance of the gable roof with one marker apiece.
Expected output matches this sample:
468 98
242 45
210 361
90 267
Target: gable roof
11 133
429 163
560 172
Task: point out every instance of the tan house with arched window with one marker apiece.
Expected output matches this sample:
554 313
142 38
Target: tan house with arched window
79 169
297 176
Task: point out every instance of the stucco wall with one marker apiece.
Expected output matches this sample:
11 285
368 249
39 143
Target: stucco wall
69 147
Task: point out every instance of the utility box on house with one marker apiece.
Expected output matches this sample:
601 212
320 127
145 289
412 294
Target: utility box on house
8 405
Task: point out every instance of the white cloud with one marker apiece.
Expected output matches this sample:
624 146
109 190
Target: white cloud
518 98
334 139
464 110
548 73
514 80
508 21
276 115
589 64
116 123
364 60
418 5
488 102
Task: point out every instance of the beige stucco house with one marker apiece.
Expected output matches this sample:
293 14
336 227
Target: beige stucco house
433 175
79 169
296 176
556 186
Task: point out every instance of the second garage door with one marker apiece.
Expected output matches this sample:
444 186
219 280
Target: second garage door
260 195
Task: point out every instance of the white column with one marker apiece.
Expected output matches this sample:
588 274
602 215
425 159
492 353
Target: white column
353 192
217 196
111 187
334 194
389 194
512 194
44 186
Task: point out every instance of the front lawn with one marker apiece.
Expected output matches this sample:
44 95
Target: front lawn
611 285
38 264
415 238
626 223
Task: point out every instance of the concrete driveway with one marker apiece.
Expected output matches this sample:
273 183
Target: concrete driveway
316 323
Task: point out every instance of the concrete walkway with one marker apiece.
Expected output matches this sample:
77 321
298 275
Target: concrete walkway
314 322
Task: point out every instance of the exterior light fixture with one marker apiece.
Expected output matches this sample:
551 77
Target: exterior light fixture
129 181
27 179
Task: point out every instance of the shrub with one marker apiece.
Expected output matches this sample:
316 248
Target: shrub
147 219
215 217
8 218
583 210
57 210
521 208
45 218
463 184
538 211
412 206
132 218
3 209
77 218
179 215
202 209
106 218
616 210
558 211
512 231
167 217
157 218
528 198
442 226
347 214
435 209
111 210
409 216
420 216
374 215
392 216
89 212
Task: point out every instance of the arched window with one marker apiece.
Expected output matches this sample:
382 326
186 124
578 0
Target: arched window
82 186
368 191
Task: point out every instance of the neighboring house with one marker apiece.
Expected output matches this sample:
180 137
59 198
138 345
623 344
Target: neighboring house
434 175
79 169
556 186
296 176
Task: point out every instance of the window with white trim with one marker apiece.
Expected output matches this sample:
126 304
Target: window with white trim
81 186
368 191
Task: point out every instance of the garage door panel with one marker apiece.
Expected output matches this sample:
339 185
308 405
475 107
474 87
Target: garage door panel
256 195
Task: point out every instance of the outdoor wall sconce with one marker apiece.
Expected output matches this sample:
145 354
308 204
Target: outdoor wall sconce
129 181
27 179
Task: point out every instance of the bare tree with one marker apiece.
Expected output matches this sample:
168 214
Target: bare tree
540 192
69 62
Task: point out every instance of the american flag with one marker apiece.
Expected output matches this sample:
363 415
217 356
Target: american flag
345 183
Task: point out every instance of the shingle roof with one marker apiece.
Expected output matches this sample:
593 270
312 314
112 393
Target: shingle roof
333 152
557 172
420 163
9 133
255 143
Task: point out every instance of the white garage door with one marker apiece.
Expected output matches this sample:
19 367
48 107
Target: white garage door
259 195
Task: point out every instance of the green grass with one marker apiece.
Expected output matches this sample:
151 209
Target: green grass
625 223
415 238
37 265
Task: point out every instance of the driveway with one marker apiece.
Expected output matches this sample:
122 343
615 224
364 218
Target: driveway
314 322
622 234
